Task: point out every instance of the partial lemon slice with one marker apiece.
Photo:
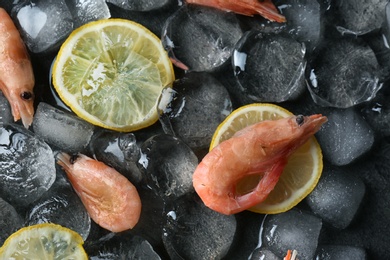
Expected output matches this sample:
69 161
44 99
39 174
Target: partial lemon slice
301 173
111 73
43 241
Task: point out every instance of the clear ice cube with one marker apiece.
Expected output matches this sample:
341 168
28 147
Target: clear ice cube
119 150
345 72
359 17
62 206
167 164
136 5
193 231
27 166
43 24
84 11
201 38
304 20
199 104
269 67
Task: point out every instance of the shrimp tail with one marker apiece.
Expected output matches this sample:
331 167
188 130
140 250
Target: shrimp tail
64 160
264 8
291 255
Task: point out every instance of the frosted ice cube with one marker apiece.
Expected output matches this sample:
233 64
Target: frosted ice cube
292 230
337 197
10 220
5 111
345 137
61 128
338 252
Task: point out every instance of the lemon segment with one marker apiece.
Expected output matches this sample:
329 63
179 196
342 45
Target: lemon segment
111 73
299 177
43 241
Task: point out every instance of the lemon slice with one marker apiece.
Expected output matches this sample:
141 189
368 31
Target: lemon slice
301 173
111 73
43 241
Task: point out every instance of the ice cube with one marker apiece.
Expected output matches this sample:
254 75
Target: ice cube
62 129
344 72
44 24
122 246
84 11
27 166
119 150
377 114
345 137
261 253
269 67
193 231
293 229
337 252
62 206
199 105
5 111
337 197
304 20
201 38
136 5
167 164
10 220
359 17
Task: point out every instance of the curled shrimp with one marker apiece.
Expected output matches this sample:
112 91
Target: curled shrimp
111 200
16 73
264 8
260 149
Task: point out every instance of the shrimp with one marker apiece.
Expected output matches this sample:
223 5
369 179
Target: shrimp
264 8
291 255
16 73
260 149
111 199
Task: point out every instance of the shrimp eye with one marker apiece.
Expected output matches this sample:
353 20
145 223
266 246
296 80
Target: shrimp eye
73 158
26 95
300 119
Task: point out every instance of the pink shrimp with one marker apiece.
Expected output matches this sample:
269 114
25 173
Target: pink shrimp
260 149
111 200
16 73
264 8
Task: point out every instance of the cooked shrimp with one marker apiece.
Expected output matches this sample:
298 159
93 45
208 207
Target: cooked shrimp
291 255
264 8
16 73
111 200
260 149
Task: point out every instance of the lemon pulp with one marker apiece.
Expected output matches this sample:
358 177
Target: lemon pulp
43 241
111 73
